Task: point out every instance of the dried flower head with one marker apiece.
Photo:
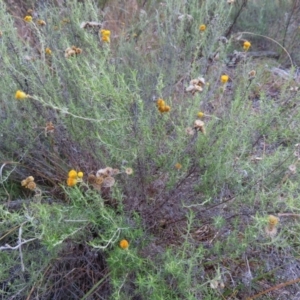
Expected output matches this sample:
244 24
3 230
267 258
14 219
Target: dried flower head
78 50
71 181
20 95
199 125
252 74
41 22
72 51
202 27
108 171
124 244
31 185
65 21
272 220
49 128
293 169
108 181
116 171
178 166
190 131
101 172
99 180
86 25
246 45
72 174
271 229
69 52
196 85
28 19
91 178
128 171
224 78
30 179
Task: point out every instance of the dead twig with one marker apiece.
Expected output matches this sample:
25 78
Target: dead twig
19 245
276 287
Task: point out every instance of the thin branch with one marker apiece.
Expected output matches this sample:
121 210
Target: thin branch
8 247
276 287
288 215
20 248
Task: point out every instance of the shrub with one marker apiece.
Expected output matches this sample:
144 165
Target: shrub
137 162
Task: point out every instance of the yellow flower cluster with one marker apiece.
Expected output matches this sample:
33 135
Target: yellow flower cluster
29 183
224 79
20 95
162 107
74 177
246 45
124 244
202 27
105 35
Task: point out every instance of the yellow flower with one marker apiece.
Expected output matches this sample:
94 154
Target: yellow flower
80 174
28 19
105 35
72 174
20 95
105 39
202 27
105 32
160 102
246 45
124 244
128 171
48 51
224 78
200 114
178 166
71 181
166 108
